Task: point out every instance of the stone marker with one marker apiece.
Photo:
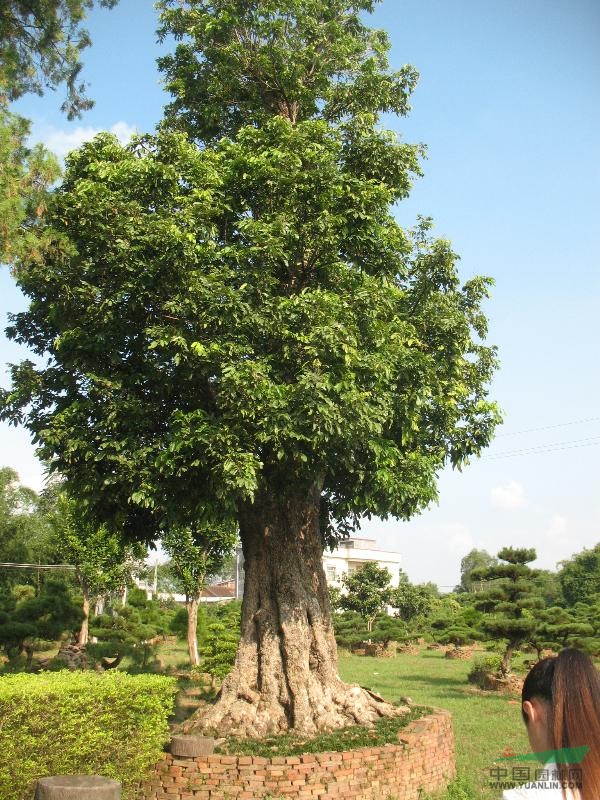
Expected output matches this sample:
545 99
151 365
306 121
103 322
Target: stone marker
192 746
77 787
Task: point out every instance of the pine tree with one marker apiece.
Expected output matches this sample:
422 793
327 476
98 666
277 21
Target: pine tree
26 619
509 599
460 627
221 641
561 628
121 632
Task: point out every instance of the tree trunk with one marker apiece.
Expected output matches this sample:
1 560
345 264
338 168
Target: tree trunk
107 664
506 659
191 604
83 637
29 650
538 651
285 672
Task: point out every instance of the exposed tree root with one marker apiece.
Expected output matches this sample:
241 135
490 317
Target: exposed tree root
285 675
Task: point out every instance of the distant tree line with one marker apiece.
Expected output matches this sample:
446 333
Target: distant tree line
501 600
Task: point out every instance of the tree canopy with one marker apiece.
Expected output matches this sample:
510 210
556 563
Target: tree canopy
240 65
230 323
579 576
475 559
40 48
368 591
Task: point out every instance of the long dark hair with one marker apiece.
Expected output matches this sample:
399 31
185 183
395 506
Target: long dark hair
571 684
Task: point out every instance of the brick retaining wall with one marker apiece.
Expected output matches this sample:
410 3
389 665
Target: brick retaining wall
423 759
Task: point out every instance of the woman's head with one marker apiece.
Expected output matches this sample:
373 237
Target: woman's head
561 708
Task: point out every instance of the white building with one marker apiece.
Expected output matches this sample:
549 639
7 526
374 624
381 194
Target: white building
349 555
352 554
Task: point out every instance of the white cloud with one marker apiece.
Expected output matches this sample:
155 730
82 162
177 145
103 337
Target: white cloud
458 538
556 540
557 527
61 141
510 495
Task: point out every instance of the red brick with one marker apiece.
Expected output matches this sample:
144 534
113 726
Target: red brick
423 758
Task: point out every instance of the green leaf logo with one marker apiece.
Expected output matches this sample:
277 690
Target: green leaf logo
566 755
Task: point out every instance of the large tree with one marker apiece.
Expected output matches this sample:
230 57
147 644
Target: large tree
238 328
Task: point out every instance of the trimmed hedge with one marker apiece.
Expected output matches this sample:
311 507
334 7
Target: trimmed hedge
113 724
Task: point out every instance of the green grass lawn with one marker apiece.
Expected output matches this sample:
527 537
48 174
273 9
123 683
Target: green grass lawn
484 723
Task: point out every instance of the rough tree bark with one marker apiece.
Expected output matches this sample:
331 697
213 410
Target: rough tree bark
192 630
285 673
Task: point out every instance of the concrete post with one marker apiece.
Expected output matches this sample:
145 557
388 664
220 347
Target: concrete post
192 746
77 787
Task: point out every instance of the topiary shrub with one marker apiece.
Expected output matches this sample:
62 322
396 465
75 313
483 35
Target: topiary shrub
26 619
221 641
81 723
350 629
482 669
121 631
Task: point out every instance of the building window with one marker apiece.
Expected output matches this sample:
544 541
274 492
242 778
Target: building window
331 574
355 565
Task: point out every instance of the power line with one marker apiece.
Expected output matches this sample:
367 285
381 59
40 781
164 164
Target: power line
551 427
551 447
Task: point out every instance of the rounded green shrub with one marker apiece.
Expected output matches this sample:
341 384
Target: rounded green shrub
482 668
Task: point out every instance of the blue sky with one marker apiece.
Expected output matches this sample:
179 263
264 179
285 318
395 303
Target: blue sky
509 107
